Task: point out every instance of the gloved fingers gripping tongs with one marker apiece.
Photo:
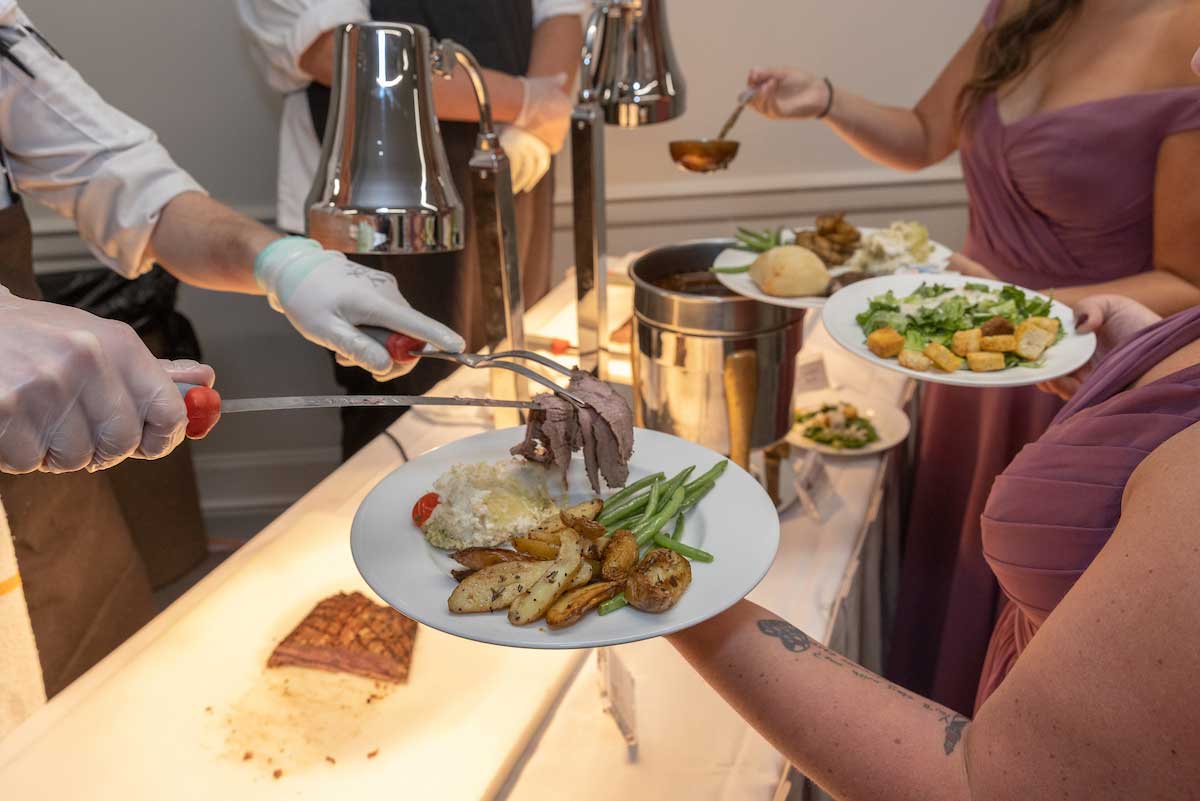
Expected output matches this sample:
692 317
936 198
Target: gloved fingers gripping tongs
205 405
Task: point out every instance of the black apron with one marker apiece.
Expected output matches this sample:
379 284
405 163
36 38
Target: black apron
85 585
500 34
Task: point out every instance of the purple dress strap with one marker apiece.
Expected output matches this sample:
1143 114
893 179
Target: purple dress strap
1128 363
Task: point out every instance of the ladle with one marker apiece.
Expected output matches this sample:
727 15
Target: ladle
709 155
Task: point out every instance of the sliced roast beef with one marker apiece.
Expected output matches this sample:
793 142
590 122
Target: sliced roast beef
603 430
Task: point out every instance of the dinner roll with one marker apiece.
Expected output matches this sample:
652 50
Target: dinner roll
789 272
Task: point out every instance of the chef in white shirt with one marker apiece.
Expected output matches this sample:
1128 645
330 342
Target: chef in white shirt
79 394
530 52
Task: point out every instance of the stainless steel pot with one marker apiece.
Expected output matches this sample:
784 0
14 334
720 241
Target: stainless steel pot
716 369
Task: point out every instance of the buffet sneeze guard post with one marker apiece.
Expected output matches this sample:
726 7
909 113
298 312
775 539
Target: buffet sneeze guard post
629 78
383 184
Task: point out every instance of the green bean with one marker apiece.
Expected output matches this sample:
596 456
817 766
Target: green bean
613 604
677 481
694 495
655 497
713 474
616 498
632 507
695 554
628 523
646 530
678 532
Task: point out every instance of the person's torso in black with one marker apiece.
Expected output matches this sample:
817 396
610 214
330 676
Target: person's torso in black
498 32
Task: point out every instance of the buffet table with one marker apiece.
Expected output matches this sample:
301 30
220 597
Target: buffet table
187 706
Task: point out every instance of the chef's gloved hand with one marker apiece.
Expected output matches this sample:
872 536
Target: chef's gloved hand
1115 319
326 297
78 392
528 157
784 93
546 110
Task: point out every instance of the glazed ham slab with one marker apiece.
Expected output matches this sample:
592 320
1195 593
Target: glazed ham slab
603 431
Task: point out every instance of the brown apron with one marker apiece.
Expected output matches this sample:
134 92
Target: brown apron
85 583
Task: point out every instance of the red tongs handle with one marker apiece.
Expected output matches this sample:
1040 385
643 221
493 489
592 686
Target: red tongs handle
203 408
402 348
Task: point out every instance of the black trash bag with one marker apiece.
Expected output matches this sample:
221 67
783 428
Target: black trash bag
146 304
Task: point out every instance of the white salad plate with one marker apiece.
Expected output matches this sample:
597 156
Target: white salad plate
1068 355
736 522
742 284
891 424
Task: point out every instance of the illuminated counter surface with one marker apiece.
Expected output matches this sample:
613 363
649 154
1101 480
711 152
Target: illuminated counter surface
187 710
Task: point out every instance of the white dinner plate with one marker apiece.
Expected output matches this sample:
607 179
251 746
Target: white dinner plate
742 284
1071 352
890 423
736 522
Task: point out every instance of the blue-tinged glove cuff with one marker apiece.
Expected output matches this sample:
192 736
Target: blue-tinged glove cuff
271 265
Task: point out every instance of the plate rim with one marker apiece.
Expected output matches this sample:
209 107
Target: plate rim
1037 375
772 532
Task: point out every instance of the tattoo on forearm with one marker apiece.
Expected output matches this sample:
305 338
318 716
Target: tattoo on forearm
796 641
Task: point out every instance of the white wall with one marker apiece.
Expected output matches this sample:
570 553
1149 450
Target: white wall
181 67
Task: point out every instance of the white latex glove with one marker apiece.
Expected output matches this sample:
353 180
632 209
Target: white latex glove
787 94
546 110
1116 319
327 297
528 157
78 392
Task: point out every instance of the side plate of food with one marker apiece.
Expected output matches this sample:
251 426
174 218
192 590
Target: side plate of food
769 266
952 329
839 422
517 563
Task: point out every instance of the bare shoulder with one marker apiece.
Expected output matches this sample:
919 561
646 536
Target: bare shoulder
1178 40
1161 491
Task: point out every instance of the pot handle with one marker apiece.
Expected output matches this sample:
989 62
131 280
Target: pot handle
741 396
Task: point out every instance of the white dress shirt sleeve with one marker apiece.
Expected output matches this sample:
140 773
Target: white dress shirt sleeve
545 9
281 31
68 149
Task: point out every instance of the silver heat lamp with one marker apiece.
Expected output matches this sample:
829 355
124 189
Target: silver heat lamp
384 187
629 78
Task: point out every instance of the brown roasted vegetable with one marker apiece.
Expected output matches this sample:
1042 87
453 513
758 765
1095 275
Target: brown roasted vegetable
571 607
658 582
459 575
534 602
620 556
479 558
583 526
496 587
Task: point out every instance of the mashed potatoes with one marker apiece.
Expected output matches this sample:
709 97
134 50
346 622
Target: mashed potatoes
482 505
790 271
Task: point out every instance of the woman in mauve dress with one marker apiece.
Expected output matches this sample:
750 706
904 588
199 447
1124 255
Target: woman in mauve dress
1081 158
1089 690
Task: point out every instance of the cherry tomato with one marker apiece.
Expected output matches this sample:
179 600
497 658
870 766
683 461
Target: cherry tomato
424 507
203 410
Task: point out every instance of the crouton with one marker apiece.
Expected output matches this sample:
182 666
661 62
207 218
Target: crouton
915 360
982 362
1032 341
942 358
886 343
1050 324
965 342
1005 343
997 326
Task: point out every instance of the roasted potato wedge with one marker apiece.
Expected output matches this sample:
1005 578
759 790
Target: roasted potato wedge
658 582
620 556
479 558
583 575
546 535
589 510
573 605
533 603
535 548
496 586
584 526
459 575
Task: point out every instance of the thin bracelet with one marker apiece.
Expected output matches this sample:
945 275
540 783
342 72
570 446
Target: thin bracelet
829 103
